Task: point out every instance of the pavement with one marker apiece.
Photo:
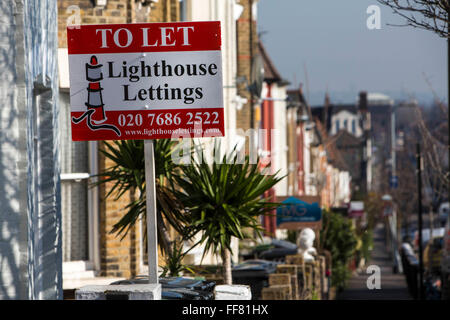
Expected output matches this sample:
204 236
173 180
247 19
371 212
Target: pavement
393 286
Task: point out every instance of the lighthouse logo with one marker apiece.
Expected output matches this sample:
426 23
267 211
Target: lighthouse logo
95 115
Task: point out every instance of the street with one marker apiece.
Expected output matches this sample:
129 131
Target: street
393 286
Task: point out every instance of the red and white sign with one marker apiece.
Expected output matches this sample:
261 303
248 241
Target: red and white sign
146 81
356 209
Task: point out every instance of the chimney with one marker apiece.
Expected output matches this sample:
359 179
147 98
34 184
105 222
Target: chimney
363 101
300 88
327 99
326 110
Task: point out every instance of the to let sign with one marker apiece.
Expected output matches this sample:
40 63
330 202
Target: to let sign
146 81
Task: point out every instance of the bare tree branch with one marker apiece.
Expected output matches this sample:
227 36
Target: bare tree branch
429 15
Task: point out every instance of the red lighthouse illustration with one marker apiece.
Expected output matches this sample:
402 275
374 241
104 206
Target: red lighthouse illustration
95 100
95 114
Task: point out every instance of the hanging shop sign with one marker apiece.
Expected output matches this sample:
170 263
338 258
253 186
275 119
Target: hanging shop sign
298 213
146 81
356 209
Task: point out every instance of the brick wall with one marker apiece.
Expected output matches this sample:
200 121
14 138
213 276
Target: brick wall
162 11
244 25
292 147
116 11
118 257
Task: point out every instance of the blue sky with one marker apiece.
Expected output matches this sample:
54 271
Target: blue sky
330 40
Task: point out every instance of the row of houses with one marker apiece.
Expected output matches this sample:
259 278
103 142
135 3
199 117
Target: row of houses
261 116
322 151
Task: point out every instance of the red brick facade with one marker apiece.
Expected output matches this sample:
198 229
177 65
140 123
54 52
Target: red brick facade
246 35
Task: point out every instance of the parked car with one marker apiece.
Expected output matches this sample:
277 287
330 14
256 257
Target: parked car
254 273
443 210
437 232
445 262
432 255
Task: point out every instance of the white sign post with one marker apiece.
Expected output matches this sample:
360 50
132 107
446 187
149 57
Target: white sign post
150 189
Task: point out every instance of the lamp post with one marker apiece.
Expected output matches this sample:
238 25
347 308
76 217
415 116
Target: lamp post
394 180
387 199
390 213
252 111
393 185
419 197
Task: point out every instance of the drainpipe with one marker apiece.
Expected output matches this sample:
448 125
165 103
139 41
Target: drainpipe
252 111
93 208
273 197
268 125
265 126
301 167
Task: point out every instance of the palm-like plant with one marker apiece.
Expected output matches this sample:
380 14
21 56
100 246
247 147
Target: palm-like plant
127 174
222 199
174 265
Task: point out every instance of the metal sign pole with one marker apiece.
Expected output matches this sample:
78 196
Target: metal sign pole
152 238
419 198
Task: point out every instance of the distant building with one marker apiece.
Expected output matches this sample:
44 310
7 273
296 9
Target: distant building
316 166
346 118
272 137
380 107
297 120
348 127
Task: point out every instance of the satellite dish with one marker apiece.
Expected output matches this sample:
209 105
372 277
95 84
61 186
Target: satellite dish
257 75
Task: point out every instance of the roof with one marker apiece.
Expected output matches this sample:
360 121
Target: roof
296 96
336 108
343 107
346 139
323 113
271 73
297 99
318 113
379 99
335 157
